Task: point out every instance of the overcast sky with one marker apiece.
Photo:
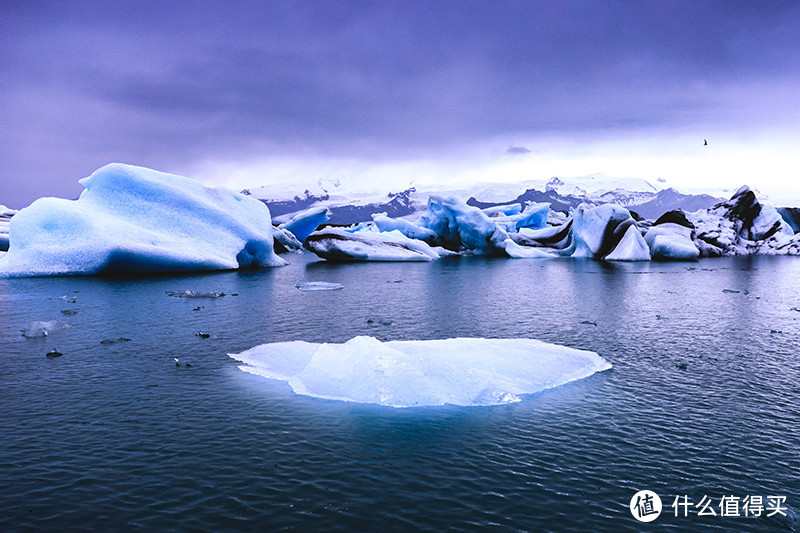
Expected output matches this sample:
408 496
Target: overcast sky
251 93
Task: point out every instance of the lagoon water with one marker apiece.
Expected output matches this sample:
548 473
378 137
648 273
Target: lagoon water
703 400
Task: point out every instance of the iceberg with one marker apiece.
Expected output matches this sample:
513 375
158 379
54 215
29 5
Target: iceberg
133 219
534 217
598 230
366 245
463 371
671 241
632 247
409 229
304 224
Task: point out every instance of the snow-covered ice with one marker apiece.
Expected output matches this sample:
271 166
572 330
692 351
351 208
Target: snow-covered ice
464 371
133 219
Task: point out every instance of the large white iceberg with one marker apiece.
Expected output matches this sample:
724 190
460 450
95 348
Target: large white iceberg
133 219
421 373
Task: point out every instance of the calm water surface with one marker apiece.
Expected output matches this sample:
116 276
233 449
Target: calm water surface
703 399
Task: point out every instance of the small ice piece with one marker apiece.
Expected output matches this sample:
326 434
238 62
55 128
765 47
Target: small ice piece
40 328
319 286
195 294
465 371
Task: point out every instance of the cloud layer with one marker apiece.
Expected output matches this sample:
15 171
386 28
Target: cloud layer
170 84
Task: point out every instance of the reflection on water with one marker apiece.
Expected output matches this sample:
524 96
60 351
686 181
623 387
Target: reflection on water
702 399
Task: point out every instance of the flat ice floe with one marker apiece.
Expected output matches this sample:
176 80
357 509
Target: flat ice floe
421 373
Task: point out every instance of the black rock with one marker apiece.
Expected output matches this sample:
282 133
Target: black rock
676 216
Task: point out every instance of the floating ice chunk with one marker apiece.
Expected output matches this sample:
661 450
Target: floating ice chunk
304 224
39 328
365 245
419 373
195 294
319 286
132 219
409 229
632 247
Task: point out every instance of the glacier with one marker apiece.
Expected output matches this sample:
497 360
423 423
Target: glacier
133 219
461 371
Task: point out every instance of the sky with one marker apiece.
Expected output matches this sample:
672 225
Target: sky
383 94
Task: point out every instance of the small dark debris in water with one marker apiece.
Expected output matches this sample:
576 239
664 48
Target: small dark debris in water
394 281
731 291
188 364
681 366
370 321
658 317
234 294
795 309
691 268
199 307
114 341
69 312
588 322
385 322
745 292
76 292
53 353
775 331
203 335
